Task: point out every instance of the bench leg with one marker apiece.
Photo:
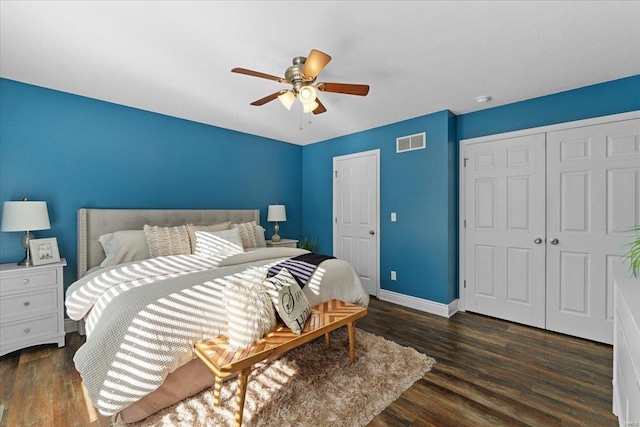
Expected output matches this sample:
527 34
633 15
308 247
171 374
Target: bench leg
217 390
242 390
327 340
351 326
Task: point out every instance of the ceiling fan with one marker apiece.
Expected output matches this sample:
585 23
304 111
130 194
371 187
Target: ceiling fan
302 76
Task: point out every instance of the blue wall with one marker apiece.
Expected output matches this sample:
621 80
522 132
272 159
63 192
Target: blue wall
422 186
617 96
77 152
416 185
74 152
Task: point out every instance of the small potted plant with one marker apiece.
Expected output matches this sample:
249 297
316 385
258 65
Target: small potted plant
634 253
311 245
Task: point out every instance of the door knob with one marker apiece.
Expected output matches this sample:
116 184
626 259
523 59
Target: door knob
537 240
554 241
372 232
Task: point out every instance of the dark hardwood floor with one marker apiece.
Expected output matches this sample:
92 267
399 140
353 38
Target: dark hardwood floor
488 372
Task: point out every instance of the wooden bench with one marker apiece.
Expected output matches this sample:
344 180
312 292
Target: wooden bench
324 318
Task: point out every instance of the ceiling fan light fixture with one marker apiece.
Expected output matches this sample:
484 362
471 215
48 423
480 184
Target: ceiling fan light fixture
302 78
309 108
307 94
287 99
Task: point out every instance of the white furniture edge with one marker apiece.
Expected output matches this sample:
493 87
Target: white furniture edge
282 241
630 289
59 338
530 131
428 306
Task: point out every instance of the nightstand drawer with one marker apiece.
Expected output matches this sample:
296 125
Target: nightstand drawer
27 329
27 304
283 243
34 278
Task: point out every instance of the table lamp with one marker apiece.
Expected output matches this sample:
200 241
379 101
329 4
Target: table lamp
25 216
276 213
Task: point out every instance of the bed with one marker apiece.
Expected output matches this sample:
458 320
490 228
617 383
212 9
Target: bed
143 316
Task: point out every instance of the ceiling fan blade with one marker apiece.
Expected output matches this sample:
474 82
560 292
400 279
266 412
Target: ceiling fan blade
315 62
267 98
258 74
347 88
320 108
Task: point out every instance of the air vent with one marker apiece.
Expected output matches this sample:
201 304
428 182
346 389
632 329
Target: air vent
411 142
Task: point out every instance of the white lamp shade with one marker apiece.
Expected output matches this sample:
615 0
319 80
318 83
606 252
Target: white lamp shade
307 94
276 213
287 99
308 108
25 216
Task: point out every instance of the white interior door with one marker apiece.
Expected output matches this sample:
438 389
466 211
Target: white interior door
505 229
593 197
355 208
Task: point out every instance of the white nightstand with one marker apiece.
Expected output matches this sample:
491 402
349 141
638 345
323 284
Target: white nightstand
31 306
283 243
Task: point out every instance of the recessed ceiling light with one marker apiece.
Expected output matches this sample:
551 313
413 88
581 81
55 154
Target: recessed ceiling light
482 99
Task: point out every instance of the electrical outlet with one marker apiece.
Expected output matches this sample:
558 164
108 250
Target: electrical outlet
393 275
393 217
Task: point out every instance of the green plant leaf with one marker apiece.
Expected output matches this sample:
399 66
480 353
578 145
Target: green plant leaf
634 253
312 245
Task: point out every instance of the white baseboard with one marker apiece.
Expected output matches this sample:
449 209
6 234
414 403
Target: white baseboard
437 308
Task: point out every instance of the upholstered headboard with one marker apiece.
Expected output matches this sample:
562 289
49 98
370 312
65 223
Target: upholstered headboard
93 223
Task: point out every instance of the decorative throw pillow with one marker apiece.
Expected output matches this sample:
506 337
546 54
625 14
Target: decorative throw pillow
218 243
165 241
249 309
124 246
247 233
261 242
193 228
289 300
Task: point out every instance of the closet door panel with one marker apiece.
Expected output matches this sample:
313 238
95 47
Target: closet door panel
593 197
505 214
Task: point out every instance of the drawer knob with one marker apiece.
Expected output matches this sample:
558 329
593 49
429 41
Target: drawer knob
25 281
27 303
27 330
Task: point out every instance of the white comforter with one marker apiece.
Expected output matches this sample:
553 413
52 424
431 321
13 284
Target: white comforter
142 318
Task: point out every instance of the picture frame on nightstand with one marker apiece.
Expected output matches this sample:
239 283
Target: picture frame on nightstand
44 251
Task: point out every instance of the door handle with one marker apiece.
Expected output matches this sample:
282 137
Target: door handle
554 241
537 240
372 232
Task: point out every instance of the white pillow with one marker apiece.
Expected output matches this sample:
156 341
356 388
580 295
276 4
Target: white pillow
261 242
193 228
124 246
247 234
250 313
218 243
289 300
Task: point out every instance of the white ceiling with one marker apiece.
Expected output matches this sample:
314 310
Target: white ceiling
419 57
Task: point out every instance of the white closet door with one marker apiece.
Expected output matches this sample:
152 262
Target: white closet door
593 197
505 209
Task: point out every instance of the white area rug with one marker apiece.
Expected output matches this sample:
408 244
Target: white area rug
310 386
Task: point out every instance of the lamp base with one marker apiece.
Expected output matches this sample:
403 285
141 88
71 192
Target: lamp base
276 236
26 261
